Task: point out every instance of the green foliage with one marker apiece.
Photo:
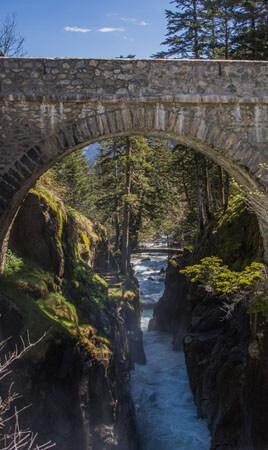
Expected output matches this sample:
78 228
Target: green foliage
74 179
259 305
167 184
98 289
48 307
89 286
236 207
186 34
30 279
13 263
124 293
24 286
216 29
55 204
164 194
148 196
235 235
232 233
213 274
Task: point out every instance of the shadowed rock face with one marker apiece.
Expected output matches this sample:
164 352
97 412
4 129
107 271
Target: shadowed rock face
227 367
173 311
80 398
226 359
34 235
216 357
75 401
53 106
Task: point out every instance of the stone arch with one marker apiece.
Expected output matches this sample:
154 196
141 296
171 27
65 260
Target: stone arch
50 107
205 128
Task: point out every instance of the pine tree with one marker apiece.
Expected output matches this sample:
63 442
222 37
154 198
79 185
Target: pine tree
133 189
219 23
251 38
185 30
77 181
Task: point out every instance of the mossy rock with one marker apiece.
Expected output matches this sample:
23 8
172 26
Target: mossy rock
58 308
52 315
234 236
55 289
38 230
80 240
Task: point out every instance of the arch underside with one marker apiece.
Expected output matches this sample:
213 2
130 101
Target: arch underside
225 133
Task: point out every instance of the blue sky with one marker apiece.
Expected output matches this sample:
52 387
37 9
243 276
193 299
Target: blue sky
89 28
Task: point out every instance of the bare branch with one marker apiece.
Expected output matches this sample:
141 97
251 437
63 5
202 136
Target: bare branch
11 42
11 357
11 436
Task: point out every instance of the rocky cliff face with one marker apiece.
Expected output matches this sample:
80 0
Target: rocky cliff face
226 359
227 365
216 350
173 311
77 377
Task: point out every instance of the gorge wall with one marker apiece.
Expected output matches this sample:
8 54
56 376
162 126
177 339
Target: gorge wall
226 360
77 378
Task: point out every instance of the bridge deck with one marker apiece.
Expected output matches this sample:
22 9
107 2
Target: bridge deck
169 250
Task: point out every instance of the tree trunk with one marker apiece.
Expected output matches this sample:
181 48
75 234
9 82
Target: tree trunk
125 253
223 188
137 224
117 205
196 36
226 33
209 191
202 198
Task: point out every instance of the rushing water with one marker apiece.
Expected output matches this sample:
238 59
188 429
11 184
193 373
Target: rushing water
166 414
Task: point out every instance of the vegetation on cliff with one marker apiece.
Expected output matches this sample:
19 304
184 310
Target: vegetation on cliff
53 287
70 301
220 279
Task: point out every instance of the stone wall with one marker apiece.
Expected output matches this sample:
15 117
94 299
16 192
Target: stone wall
50 107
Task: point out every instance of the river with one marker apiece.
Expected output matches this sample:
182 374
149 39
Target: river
166 414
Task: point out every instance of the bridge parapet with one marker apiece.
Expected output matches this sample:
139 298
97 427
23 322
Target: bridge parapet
110 79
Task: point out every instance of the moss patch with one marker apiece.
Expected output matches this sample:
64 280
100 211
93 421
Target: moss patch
28 278
97 346
45 305
125 292
83 238
54 204
57 307
234 236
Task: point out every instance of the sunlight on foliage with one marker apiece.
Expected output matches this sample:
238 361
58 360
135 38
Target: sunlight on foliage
13 263
214 275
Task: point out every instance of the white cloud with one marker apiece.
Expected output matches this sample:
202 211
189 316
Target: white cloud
143 23
77 29
110 30
134 21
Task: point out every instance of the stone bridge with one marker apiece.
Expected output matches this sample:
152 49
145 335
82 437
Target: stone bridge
50 107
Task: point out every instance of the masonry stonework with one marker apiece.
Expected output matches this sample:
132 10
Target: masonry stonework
50 107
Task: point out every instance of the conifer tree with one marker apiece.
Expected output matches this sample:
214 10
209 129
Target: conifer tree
185 30
228 29
219 23
251 38
77 181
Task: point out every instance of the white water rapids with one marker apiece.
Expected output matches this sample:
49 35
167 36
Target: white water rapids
166 414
